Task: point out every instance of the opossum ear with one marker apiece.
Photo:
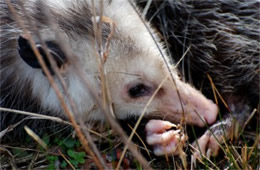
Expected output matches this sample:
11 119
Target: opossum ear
27 54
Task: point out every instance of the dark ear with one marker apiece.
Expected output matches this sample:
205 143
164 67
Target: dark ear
26 53
28 56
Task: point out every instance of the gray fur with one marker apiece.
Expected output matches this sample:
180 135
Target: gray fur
223 37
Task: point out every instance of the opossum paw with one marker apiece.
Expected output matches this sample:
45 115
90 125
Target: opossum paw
209 144
206 146
164 140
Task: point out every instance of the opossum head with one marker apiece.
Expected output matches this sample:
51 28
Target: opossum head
134 66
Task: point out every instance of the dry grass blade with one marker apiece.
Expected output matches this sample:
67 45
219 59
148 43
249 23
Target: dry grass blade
146 149
229 154
29 149
203 156
237 155
247 121
11 128
64 157
100 57
182 57
39 116
35 137
112 25
92 145
183 157
215 90
10 156
32 163
255 145
146 8
244 155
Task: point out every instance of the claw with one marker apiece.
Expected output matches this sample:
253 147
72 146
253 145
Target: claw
162 138
164 142
158 126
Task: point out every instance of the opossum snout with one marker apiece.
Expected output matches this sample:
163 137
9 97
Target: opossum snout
178 102
188 104
198 109
205 110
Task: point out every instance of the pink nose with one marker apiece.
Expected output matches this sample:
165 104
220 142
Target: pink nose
200 109
210 113
203 110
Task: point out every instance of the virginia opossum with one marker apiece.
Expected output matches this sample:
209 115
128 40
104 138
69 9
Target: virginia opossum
221 39
134 66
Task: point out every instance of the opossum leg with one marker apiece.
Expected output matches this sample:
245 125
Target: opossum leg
228 128
164 140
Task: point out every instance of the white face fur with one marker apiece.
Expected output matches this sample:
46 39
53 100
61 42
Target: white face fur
134 69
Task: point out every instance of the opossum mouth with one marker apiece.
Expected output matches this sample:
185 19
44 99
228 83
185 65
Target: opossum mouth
177 117
174 118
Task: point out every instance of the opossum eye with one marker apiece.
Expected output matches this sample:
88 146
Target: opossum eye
27 54
139 90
